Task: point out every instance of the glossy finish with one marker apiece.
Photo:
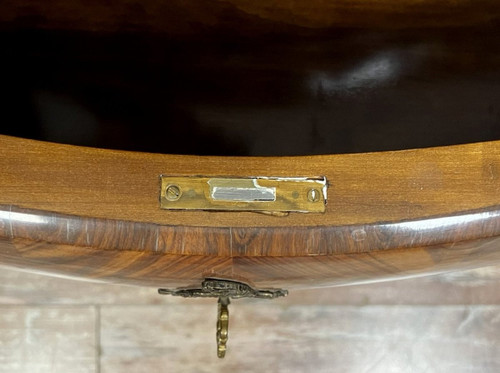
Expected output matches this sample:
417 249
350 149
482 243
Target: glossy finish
252 78
39 226
251 17
69 210
160 256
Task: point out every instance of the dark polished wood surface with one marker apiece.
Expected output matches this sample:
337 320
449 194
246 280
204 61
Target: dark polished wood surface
291 241
155 255
242 78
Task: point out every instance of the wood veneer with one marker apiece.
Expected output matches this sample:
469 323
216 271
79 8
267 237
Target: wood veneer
430 68
95 214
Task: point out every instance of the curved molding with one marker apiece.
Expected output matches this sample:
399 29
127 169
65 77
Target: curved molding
107 234
94 214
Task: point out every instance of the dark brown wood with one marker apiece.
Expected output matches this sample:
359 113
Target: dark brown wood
252 78
180 17
167 270
290 241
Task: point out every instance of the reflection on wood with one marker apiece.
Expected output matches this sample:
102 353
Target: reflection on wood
156 268
252 78
69 210
179 17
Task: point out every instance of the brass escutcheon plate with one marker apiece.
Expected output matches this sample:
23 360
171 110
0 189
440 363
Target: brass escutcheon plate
224 290
266 194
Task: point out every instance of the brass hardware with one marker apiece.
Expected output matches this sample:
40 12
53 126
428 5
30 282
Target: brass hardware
215 288
172 193
224 290
313 195
273 195
222 326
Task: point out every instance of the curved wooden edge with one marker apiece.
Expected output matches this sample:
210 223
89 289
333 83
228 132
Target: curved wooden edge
107 234
363 188
151 269
94 214
168 256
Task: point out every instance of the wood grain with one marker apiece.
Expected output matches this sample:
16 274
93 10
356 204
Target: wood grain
278 93
151 269
110 234
95 214
364 188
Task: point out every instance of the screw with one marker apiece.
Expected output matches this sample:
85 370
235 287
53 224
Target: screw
173 193
313 195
